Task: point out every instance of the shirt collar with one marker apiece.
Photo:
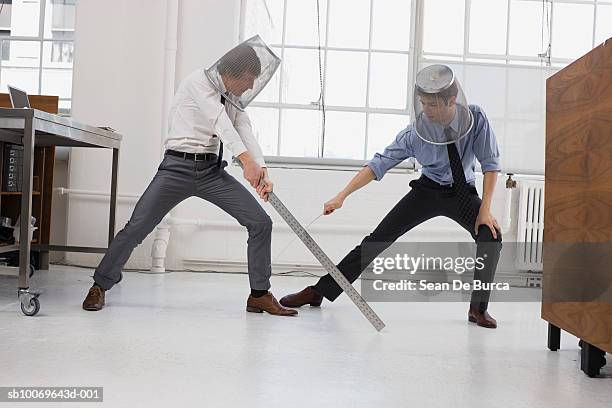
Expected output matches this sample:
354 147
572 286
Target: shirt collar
454 124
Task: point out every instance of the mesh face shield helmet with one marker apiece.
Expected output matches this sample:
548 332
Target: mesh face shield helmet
243 72
441 110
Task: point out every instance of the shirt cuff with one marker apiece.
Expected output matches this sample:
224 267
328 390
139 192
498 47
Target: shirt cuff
260 161
378 173
490 164
237 148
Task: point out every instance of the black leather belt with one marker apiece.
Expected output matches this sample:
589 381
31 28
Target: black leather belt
427 183
193 156
430 183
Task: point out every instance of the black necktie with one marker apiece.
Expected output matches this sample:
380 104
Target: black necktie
460 186
220 157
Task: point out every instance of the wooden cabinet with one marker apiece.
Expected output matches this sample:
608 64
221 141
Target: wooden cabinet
577 280
44 159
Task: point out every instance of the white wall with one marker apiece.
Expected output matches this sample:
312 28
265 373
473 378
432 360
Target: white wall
128 61
118 73
59 209
207 29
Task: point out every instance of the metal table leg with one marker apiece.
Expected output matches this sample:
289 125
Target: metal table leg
29 301
113 197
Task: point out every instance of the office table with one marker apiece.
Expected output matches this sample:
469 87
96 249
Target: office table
30 128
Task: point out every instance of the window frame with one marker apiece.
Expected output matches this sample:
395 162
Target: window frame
510 58
41 40
367 109
416 58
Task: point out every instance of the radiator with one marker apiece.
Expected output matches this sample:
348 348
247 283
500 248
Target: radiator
530 225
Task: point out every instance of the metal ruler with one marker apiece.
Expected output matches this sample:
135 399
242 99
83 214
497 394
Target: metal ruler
329 266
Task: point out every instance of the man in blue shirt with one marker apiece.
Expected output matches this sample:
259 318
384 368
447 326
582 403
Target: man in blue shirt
446 138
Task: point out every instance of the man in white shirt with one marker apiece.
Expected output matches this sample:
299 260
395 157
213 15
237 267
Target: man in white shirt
199 120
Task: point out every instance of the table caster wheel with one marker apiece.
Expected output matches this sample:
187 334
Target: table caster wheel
30 305
32 308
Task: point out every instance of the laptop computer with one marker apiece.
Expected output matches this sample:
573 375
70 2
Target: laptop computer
19 97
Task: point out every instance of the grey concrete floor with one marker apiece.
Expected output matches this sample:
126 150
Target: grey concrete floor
185 338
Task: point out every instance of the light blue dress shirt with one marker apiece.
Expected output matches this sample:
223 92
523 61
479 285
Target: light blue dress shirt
479 143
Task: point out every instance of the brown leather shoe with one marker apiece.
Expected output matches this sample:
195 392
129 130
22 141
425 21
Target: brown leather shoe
95 299
268 303
306 296
482 319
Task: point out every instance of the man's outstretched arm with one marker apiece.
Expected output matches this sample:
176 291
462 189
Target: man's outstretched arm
398 151
360 180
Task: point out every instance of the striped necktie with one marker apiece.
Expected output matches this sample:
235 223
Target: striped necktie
460 185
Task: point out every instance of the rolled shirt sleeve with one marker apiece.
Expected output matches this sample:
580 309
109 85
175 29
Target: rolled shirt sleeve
485 145
245 130
394 154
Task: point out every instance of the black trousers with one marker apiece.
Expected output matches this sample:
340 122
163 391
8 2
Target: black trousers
427 199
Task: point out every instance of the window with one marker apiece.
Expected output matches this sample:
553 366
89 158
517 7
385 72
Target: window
603 27
63 14
5 28
363 64
501 50
62 46
515 30
5 49
62 30
5 14
37 38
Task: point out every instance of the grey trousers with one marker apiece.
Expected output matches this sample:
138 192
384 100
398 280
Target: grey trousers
176 180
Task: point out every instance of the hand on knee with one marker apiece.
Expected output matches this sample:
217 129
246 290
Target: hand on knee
486 235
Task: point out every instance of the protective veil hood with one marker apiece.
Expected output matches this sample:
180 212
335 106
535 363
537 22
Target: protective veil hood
441 110
249 66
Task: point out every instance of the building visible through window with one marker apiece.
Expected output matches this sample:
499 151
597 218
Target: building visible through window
63 46
62 29
5 47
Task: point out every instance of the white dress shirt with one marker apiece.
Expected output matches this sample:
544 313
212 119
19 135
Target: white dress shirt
198 119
